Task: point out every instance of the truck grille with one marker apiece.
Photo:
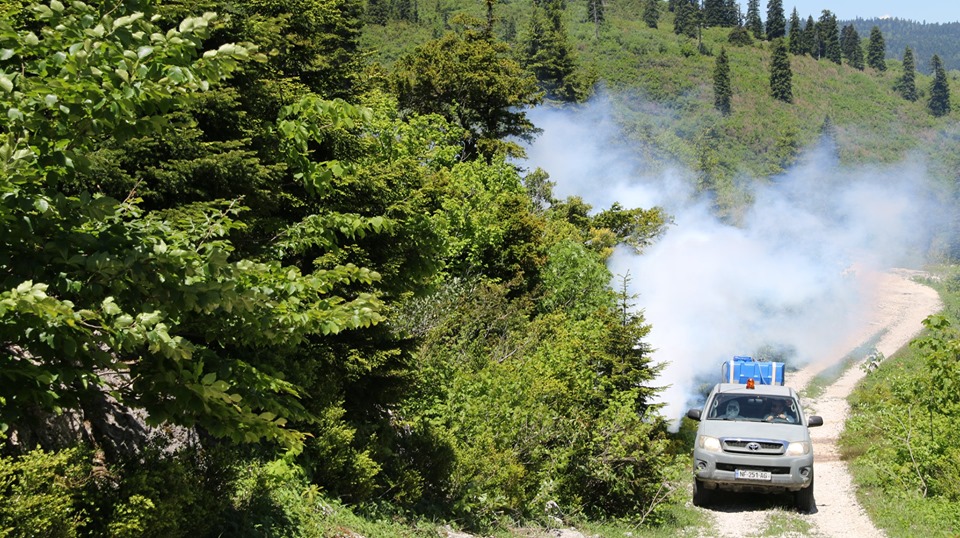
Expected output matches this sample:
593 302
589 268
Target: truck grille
754 446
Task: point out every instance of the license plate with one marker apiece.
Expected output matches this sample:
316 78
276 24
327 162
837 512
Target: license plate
748 474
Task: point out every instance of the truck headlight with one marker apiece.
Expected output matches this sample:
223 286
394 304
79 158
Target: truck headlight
710 444
798 449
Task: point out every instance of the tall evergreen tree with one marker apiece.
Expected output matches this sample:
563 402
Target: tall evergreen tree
829 35
795 34
721 83
754 22
597 11
877 50
547 51
776 22
810 39
939 103
850 47
651 12
906 85
733 13
781 76
687 19
714 13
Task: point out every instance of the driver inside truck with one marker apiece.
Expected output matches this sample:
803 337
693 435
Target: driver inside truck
778 412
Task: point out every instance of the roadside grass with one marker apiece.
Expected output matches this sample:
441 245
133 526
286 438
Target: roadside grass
878 451
830 375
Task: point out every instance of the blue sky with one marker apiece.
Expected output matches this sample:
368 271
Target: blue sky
917 10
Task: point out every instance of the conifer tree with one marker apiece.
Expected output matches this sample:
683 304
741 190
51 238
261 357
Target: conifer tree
796 34
850 46
733 13
906 85
651 12
686 19
781 77
714 13
810 39
754 22
776 23
597 12
547 52
939 103
721 83
877 50
829 35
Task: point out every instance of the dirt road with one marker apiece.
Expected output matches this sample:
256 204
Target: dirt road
896 315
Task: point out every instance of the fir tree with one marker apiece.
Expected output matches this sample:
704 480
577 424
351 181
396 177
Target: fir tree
877 50
850 47
796 34
829 37
781 77
547 52
596 9
939 103
776 23
714 13
810 39
651 12
733 13
754 22
906 85
721 83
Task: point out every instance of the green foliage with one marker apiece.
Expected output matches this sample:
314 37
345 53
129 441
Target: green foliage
906 84
776 22
939 103
781 76
722 91
754 22
467 78
877 50
37 494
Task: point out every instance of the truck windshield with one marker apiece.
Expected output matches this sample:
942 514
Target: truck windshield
739 407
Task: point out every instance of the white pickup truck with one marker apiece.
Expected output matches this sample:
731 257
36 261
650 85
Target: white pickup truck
753 437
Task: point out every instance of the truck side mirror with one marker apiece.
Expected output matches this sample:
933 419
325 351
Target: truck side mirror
695 414
814 420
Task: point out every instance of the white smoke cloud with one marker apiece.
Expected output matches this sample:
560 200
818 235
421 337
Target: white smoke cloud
783 278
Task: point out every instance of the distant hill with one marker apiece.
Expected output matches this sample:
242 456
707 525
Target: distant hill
925 39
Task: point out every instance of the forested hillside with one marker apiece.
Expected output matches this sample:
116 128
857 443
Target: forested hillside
924 38
271 268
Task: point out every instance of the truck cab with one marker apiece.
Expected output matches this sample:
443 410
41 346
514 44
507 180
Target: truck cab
753 437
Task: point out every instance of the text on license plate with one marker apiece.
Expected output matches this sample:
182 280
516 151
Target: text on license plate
748 474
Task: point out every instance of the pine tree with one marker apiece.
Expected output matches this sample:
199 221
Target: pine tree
721 83
781 77
939 103
733 13
651 12
686 19
877 50
850 46
776 23
754 22
810 39
596 10
796 34
714 13
829 36
906 85
547 52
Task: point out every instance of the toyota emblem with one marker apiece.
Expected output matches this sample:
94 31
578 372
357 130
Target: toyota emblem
753 447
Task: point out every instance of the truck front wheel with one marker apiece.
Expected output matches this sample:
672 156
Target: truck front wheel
804 499
701 495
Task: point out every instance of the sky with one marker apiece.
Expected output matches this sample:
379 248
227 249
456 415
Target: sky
791 278
919 10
